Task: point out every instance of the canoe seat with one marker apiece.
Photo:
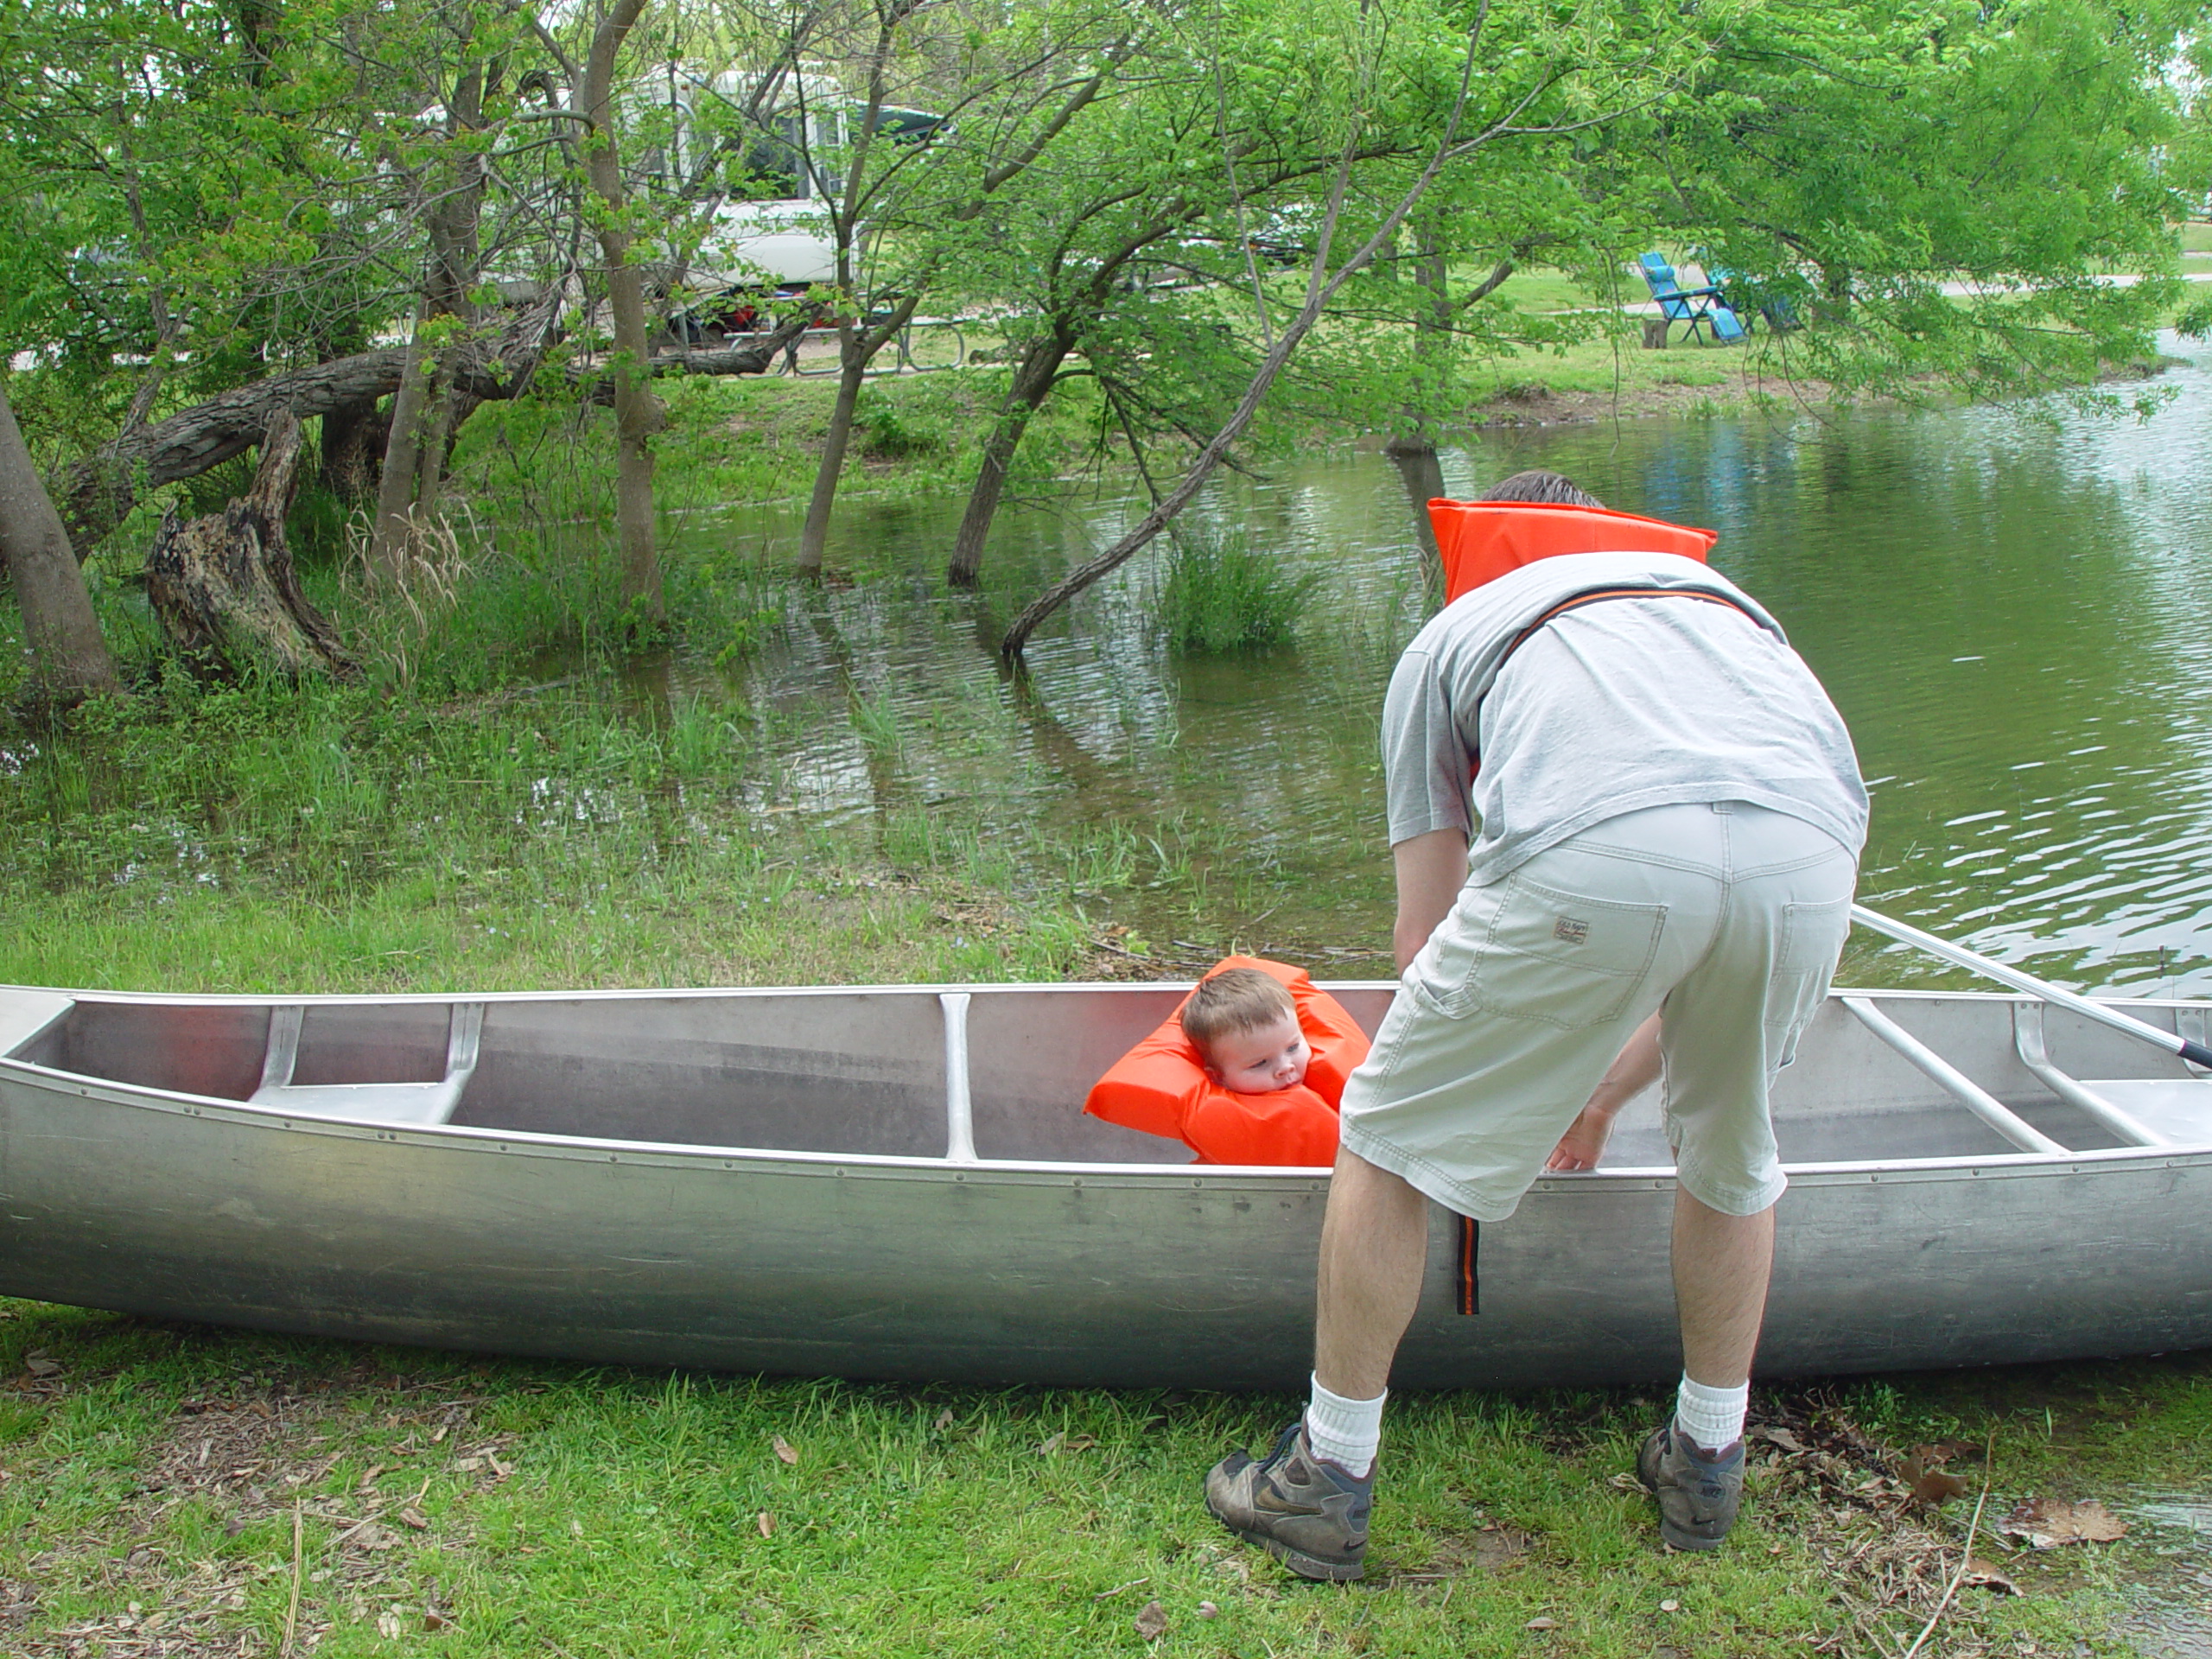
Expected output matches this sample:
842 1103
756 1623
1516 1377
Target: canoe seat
385 1102
2177 1109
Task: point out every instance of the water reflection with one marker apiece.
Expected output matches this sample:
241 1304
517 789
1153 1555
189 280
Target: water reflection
2010 608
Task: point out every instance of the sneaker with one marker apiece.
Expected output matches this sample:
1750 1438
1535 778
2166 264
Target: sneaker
1699 1492
1305 1512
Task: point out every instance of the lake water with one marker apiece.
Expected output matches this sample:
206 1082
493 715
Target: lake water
2012 608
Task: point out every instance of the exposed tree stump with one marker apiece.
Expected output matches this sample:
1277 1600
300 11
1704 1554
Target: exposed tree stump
224 588
1655 334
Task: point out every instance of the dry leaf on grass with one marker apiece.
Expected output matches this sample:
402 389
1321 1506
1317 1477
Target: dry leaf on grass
1207 1610
38 1363
1670 1605
2048 1523
1982 1576
1625 1484
1932 1486
945 1420
1777 1437
1151 1621
1542 1622
766 1522
784 1449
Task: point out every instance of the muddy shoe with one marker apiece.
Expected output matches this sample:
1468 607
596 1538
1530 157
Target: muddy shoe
1699 1492
1308 1514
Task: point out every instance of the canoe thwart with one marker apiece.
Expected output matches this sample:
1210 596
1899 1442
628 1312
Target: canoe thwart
386 1102
1977 1100
959 1104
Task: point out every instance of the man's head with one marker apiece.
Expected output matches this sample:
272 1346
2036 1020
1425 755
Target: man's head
1544 489
1244 1026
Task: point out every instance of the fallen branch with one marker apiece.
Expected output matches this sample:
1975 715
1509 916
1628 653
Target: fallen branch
97 493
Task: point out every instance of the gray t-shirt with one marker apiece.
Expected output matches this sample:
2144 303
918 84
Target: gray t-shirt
1607 710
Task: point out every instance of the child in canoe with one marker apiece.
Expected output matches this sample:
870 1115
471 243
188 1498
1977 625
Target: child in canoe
1248 1071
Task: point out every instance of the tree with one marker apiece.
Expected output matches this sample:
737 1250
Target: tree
69 660
1560 83
1943 186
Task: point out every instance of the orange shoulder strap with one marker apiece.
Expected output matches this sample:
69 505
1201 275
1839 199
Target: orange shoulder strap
1480 541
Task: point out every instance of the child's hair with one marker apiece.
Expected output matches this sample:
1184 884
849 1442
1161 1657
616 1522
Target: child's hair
1553 488
1236 998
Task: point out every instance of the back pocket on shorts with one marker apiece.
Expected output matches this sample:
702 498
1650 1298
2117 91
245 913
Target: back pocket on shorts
1562 958
1812 939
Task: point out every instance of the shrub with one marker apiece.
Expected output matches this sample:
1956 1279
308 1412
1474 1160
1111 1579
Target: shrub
1221 594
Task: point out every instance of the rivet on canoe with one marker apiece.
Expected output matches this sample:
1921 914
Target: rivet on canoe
1079 1181
1198 1183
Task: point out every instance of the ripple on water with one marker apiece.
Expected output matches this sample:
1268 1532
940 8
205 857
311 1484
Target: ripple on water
2008 606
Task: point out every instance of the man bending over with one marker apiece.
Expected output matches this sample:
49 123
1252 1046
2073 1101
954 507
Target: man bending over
1669 818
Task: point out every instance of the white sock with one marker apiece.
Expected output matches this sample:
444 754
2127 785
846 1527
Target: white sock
1345 1432
1712 1418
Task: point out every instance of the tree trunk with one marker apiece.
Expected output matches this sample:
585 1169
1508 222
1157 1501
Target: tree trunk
1033 382
637 411
858 344
396 493
69 660
224 588
1422 475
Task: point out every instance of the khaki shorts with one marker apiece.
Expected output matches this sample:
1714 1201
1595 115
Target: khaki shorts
1728 917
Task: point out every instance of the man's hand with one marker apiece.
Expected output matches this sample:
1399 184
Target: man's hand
1431 869
1636 1070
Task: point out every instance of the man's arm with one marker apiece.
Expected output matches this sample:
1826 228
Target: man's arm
1636 1070
1432 868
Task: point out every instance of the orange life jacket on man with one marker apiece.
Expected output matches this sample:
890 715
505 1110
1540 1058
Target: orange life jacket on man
1161 1087
1480 541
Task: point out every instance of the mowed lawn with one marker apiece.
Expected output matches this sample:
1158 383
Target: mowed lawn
173 1490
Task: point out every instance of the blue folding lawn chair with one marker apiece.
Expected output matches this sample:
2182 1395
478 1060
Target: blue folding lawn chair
1701 307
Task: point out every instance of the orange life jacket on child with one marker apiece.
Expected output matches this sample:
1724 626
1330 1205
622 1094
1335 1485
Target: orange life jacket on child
1480 541
1160 1086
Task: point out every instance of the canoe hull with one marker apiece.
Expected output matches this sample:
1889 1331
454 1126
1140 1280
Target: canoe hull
124 1198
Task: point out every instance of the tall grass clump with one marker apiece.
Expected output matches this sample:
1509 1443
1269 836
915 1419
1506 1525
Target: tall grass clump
1221 594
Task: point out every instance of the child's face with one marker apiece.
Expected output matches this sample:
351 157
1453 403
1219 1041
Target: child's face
1262 1060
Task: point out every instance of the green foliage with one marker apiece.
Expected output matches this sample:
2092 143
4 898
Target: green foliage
1221 594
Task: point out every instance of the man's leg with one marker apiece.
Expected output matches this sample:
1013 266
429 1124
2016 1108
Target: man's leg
1694 1464
1374 1244
1721 1266
1308 1501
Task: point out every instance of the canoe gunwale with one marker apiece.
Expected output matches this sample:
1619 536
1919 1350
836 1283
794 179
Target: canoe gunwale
457 1136
661 993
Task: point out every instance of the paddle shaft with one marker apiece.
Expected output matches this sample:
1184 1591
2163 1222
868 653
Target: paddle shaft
2194 1053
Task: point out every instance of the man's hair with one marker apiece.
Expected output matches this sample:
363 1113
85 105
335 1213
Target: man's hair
1539 486
1236 998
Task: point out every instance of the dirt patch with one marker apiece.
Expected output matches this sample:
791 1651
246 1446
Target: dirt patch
268 1457
1540 405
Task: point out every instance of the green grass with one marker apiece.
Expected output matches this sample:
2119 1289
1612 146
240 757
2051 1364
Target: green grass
1220 594
2196 236
153 1472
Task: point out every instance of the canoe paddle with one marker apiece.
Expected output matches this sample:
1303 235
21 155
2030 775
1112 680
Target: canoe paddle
2194 1053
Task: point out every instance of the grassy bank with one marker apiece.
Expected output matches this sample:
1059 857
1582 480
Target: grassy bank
176 1490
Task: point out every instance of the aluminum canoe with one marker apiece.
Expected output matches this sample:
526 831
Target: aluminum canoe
897 1182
